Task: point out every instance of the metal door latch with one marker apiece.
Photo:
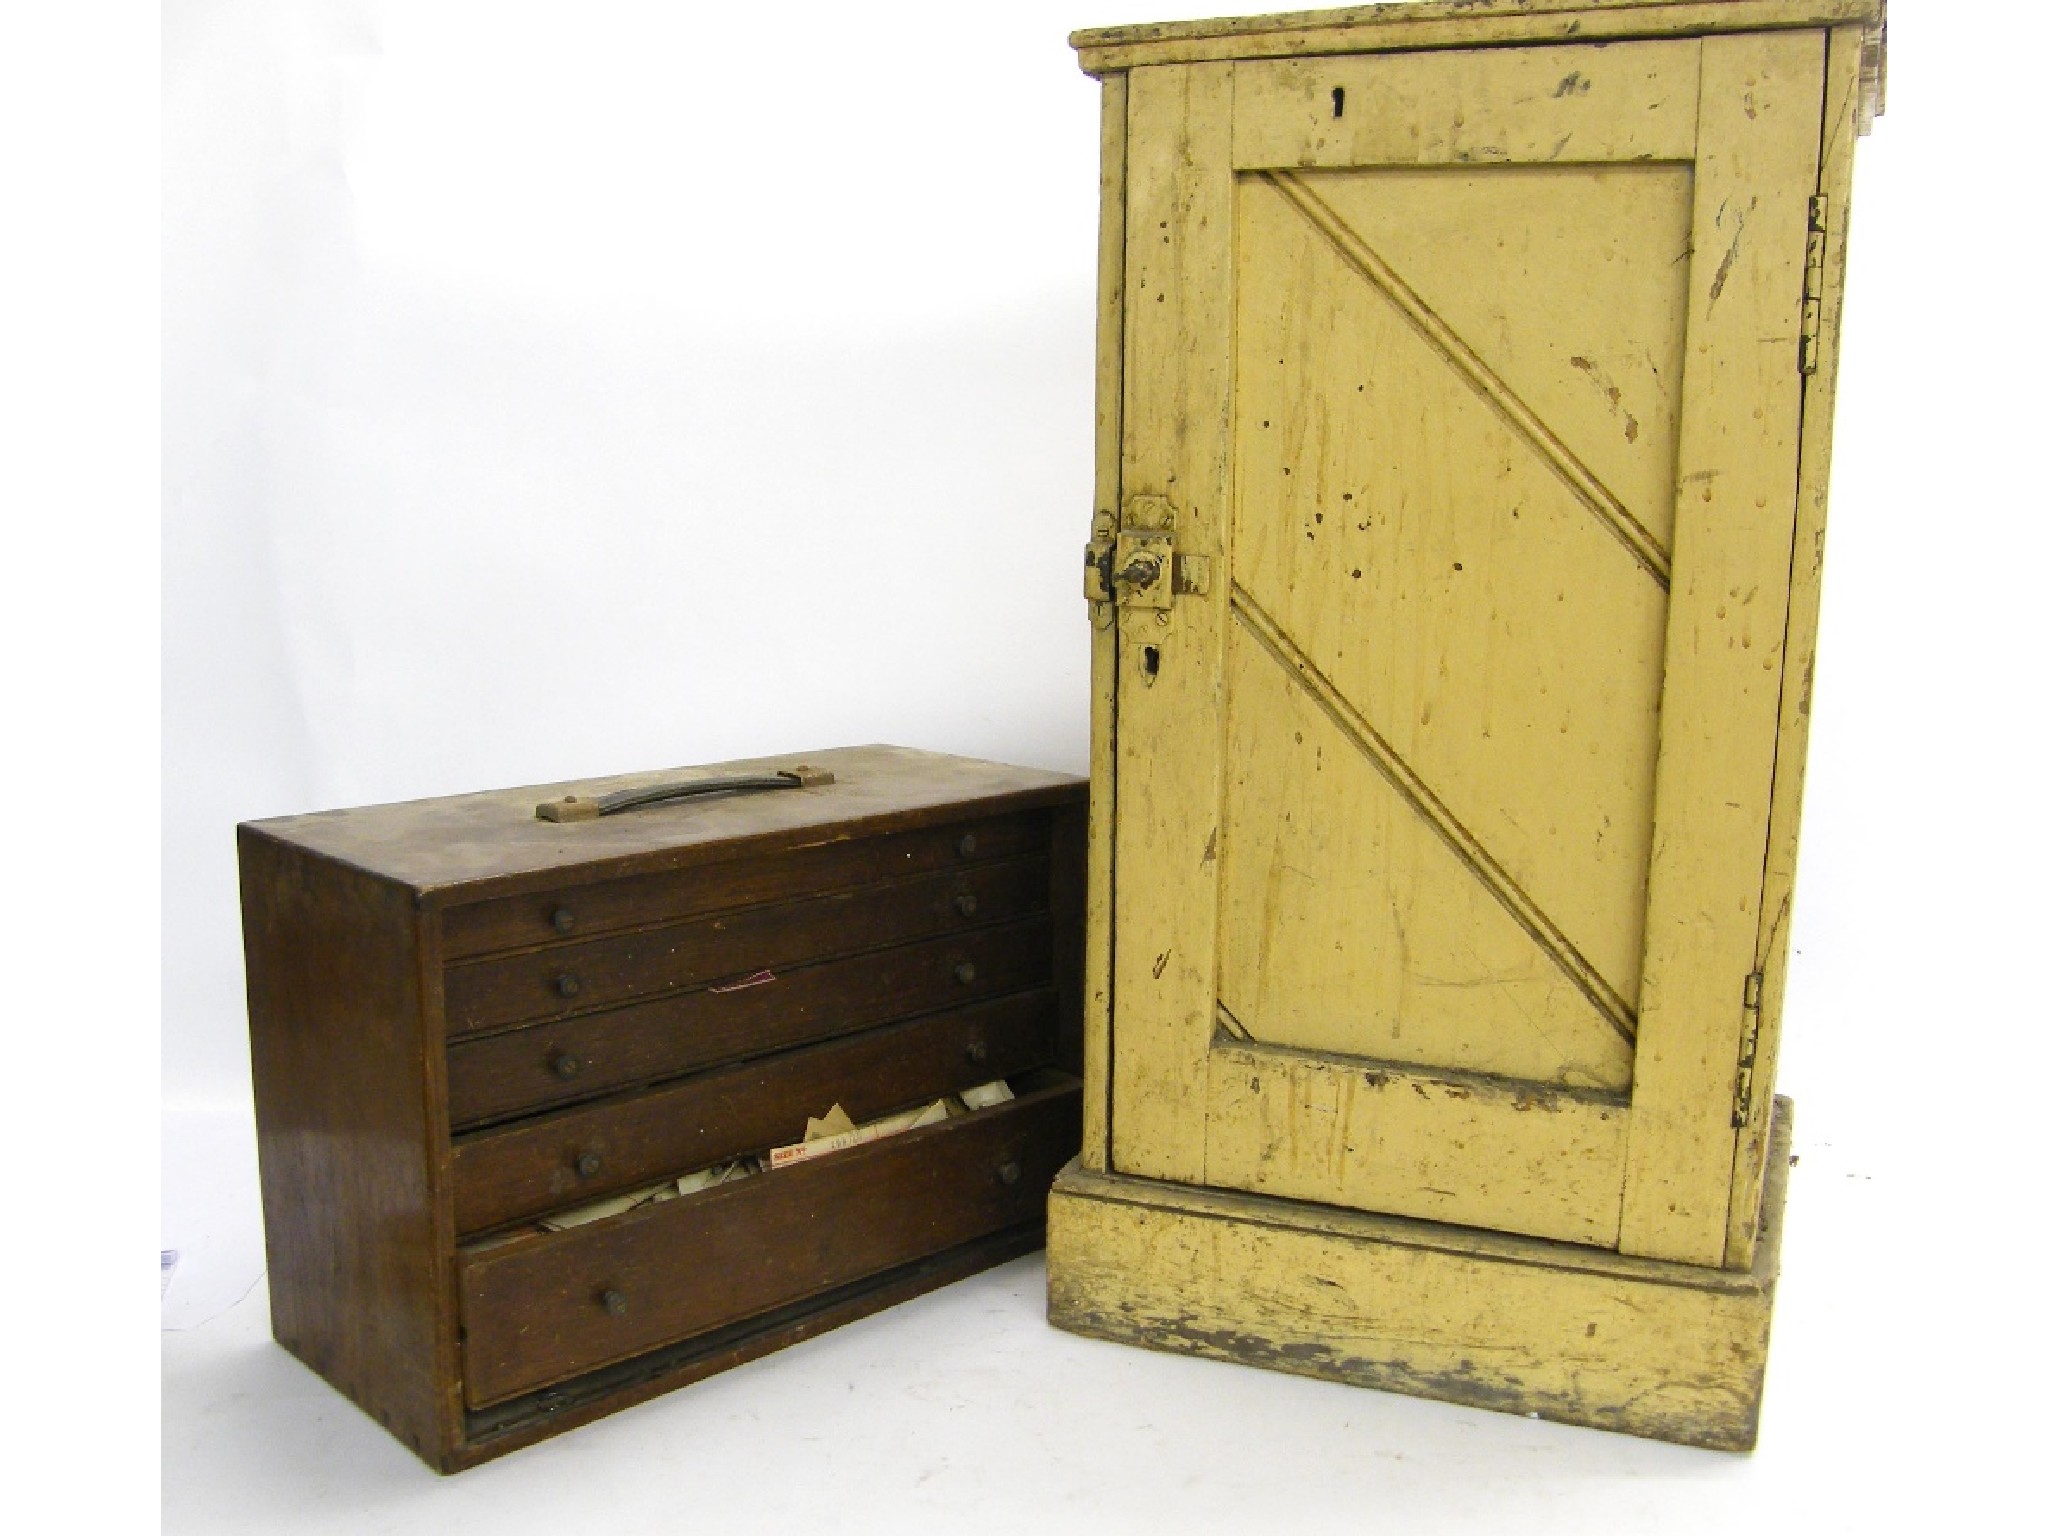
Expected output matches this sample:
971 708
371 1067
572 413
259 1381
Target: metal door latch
1139 567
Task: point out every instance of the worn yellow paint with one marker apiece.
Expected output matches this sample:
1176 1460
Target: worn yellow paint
1109 422
1469 107
1456 808
1429 578
1350 925
1569 287
1169 736
1504 1156
1845 88
1738 462
1430 558
1470 23
1671 1351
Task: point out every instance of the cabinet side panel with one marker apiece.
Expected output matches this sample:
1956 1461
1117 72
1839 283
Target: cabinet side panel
1802 624
337 1052
1109 427
1738 461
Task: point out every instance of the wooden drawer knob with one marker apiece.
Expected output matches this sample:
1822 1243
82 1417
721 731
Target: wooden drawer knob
588 1165
614 1302
1010 1173
562 920
977 1053
964 973
566 984
967 846
965 904
567 1064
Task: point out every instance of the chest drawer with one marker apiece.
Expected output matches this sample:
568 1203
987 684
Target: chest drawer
583 911
534 1166
727 947
555 1306
565 1060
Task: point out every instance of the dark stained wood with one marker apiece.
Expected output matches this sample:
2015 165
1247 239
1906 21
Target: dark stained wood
520 1421
495 1075
530 1167
466 848
338 1052
535 1312
577 977
1068 892
378 1133
582 911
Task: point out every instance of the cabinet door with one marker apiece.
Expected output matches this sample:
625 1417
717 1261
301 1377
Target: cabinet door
1475 377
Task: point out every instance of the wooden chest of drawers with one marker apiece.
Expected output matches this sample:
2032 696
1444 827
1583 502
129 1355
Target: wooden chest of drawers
465 1019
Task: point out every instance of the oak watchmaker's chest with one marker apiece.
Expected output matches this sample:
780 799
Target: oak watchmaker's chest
521 1082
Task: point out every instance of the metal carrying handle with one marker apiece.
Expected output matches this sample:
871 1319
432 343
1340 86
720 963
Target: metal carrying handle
574 808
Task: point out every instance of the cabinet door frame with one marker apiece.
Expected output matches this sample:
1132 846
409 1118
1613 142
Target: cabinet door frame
1664 1159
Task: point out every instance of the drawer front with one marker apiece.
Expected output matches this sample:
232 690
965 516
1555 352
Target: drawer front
552 1307
576 978
598 1149
494 1076
547 917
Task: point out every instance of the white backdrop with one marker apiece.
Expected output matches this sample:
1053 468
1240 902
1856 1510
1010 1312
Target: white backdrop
557 390
560 391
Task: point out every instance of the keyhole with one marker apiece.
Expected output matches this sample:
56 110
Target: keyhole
1337 102
1151 661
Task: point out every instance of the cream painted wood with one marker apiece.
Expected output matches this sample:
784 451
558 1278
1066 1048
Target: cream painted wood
1570 291
1109 413
1738 463
1457 784
1442 24
1481 1152
1332 869
1400 808
1841 124
1169 736
1495 106
1550 1330
1429 560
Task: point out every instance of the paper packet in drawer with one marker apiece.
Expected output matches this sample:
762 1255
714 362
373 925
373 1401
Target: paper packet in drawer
856 1135
835 1131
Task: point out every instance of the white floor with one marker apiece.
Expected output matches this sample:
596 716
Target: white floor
1891 1406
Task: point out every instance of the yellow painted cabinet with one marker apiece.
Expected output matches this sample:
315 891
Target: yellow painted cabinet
1466 374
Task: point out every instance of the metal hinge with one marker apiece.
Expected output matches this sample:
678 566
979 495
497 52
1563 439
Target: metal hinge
1137 566
1809 309
1745 1061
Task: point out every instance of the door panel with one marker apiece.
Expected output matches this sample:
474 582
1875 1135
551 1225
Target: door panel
1436 891
1568 285
1333 869
1506 647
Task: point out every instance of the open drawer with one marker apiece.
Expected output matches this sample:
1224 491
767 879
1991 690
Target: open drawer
548 1307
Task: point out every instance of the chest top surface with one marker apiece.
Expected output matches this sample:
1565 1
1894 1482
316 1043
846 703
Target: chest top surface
451 843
